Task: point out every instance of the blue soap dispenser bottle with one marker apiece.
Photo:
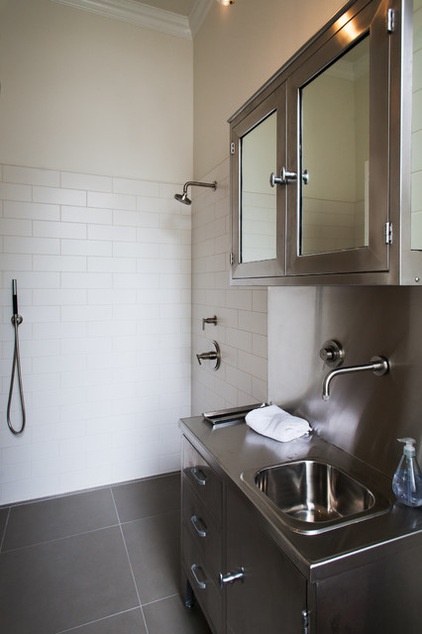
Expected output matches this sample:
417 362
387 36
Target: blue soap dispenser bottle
407 480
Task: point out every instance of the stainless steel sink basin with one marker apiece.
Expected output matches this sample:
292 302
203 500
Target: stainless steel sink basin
314 496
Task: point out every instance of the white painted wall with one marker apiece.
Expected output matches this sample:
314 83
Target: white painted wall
80 92
96 137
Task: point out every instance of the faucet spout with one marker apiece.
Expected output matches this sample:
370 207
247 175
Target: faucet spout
378 365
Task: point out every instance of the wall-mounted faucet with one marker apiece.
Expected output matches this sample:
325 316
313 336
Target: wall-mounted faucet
378 365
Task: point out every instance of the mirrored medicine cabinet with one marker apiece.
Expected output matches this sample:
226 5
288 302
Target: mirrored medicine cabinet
326 158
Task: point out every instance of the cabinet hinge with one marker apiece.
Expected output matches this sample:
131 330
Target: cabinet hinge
231 258
232 148
388 233
391 21
305 622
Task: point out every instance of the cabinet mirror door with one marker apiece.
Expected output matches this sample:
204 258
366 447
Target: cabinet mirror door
258 142
338 207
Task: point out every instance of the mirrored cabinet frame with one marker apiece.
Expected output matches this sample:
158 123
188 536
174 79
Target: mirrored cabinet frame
386 256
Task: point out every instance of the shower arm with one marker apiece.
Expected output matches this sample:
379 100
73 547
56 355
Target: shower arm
198 184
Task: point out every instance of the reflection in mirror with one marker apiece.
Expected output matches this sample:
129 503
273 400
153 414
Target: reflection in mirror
335 151
416 171
258 198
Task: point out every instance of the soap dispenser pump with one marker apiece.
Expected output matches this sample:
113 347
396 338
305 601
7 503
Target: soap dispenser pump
407 480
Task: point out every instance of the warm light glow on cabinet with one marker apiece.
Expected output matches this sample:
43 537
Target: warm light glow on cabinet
225 3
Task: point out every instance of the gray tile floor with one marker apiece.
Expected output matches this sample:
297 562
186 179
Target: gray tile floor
105 561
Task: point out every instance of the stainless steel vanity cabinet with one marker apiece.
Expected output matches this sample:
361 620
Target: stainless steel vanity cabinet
271 595
251 572
321 158
202 544
220 538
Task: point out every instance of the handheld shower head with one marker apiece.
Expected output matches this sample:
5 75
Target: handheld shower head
183 197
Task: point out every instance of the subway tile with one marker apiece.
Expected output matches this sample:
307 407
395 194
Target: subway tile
135 187
86 280
70 230
65 263
59 297
31 176
103 232
253 322
31 211
74 180
31 245
58 330
111 265
240 379
111 201
86 313
86 247
150 205
87 214
10 191
15 227
136 218
59 196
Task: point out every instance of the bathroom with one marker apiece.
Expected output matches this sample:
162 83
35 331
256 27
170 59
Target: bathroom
102 120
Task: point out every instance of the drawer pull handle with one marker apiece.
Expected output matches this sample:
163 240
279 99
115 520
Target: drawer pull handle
199 525
199 476
231 577
194 570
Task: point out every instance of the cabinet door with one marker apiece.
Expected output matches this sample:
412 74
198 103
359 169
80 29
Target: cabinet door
338 104
272 594
258 148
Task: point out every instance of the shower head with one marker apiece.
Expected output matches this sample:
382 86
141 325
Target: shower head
183 197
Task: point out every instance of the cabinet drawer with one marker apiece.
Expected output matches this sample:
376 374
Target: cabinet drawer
204 480
203 529
206 590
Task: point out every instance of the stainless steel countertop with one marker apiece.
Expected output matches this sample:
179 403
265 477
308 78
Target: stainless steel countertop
234 449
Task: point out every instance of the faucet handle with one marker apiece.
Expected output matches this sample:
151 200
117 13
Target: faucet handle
332 353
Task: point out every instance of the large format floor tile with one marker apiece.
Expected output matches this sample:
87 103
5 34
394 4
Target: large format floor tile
147 497
130 622
154 552
64 583
169 616
59 517
105 561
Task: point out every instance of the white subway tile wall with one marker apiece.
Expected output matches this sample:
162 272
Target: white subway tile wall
241 330
104 279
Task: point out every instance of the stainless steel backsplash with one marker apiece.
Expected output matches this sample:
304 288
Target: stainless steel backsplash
365 413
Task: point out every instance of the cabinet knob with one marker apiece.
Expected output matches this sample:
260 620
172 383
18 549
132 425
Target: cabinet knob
231 577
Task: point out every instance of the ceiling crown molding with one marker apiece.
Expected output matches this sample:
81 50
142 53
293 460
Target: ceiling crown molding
198 15
139 14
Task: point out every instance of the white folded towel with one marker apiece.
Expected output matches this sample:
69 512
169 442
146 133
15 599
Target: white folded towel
274 422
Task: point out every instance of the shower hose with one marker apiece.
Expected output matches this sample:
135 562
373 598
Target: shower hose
16 369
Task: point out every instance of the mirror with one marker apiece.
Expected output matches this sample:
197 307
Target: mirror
258 209
334 144
416 169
